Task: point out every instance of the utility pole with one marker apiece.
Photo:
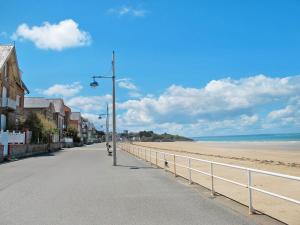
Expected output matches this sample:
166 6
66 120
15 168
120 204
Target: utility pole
114 111
107 124
95 84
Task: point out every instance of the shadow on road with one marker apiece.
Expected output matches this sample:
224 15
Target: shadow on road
136 167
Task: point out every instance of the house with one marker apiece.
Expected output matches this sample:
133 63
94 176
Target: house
91 132
68 112
84 128
59 115
12 89
39 105
76 123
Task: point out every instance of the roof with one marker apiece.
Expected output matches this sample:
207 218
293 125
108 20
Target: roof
36 103
25 87
59 105
5 51
75 116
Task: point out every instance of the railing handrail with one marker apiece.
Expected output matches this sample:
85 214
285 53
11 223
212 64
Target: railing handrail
231 166
212 175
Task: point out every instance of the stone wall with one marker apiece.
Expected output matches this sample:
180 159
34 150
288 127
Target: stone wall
68 145
24 150
33 149
55 146
17 150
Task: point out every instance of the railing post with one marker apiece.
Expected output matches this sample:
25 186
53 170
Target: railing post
174 159
156 159
250 193
145 154
190 171
212 179
150 158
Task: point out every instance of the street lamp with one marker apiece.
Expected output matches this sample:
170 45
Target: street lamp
107 123
95 84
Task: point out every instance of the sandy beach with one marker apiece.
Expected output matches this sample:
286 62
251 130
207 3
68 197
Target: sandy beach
280 157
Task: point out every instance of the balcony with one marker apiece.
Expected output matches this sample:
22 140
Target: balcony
8 103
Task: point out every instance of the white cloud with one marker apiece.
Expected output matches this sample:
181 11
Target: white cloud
127 85
287 115
65 90
89 104
128 10
93 118
134 94
220 105
64 34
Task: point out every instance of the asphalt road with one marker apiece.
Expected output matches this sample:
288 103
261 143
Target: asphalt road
79 186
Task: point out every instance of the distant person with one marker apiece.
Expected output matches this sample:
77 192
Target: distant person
108 147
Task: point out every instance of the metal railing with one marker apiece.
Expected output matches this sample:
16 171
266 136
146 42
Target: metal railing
143 151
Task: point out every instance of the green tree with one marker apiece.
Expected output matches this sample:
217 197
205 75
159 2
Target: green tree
42 129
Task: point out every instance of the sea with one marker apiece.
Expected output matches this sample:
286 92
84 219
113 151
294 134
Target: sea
251 137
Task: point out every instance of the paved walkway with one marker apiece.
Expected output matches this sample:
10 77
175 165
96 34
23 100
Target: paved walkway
80 187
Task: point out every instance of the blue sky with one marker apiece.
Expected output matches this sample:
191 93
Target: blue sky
174 61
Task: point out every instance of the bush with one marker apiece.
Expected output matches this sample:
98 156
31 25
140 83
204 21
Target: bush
42 129
72 133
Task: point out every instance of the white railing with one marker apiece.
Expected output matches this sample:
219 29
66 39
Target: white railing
11 138
142 151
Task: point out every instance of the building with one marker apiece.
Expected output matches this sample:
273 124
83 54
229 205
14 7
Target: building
59 115
12 89
68 112
91 132
39 105
76 123
43 107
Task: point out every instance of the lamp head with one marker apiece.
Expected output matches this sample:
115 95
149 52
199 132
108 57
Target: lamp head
94 84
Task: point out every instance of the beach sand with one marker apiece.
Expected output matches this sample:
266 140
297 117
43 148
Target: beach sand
279 157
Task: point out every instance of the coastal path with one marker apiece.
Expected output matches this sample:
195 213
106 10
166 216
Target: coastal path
80 186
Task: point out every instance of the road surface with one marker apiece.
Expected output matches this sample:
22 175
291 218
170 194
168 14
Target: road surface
80 187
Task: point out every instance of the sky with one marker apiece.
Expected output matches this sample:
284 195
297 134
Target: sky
194 68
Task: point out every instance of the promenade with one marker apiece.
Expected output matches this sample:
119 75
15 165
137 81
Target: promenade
79 186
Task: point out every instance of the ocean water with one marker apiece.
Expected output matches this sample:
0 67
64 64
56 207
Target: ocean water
252 137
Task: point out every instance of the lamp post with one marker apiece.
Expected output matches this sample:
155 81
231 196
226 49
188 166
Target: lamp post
94 84
107 123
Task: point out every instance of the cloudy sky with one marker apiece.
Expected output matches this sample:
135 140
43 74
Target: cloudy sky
192 68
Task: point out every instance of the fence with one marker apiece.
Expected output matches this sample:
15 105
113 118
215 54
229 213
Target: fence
155 157
68 140
16 138
11 138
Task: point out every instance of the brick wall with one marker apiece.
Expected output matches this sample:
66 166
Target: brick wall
1 153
